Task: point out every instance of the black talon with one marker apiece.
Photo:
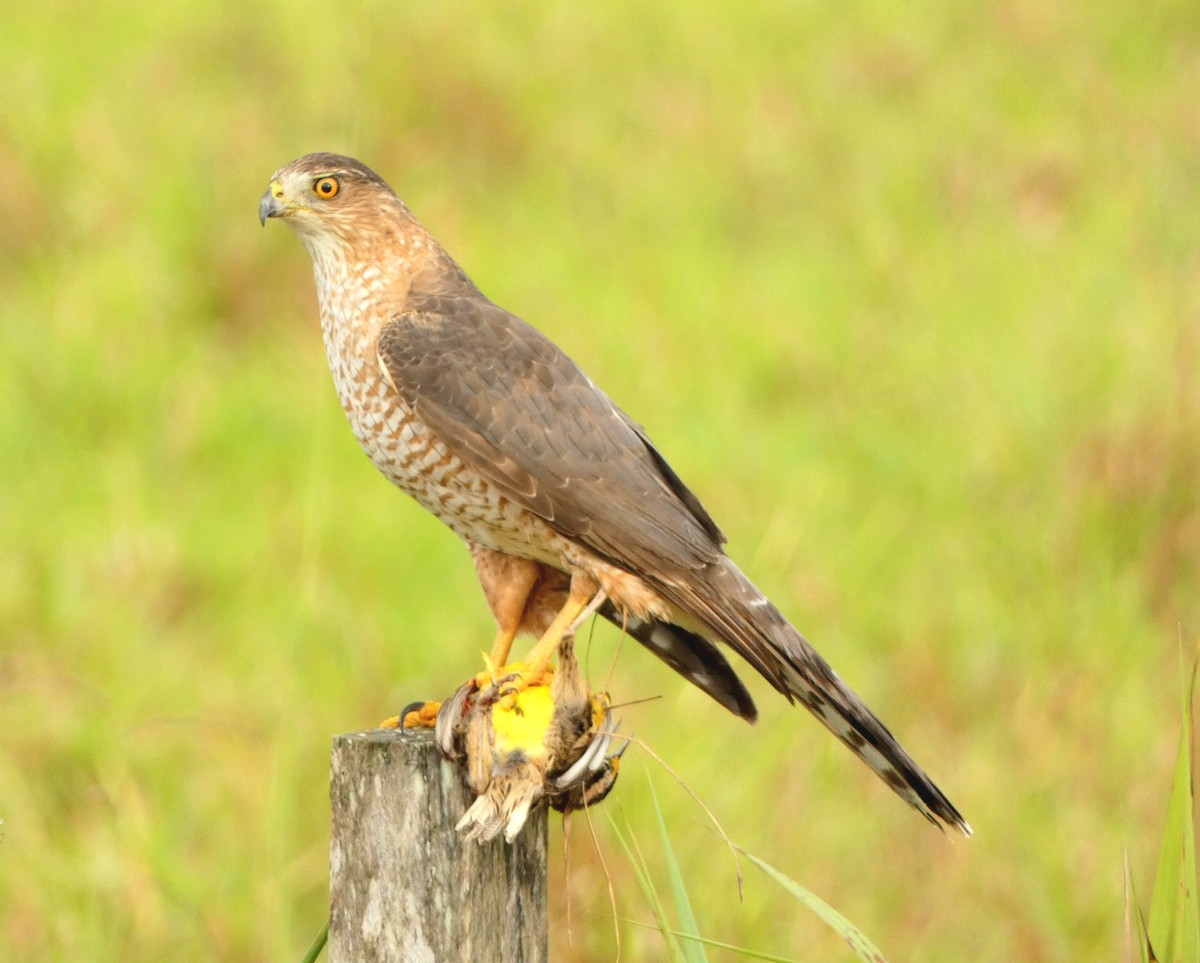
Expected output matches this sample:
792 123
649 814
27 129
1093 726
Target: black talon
411 707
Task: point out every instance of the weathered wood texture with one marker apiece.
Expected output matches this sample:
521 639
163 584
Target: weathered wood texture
404 886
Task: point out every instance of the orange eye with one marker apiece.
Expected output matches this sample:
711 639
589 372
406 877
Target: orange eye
326 187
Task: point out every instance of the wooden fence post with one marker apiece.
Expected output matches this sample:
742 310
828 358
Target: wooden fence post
404 886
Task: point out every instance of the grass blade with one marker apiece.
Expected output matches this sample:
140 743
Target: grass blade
629 844
689 929
719 945
1174 921
318 944
863 948
1137 940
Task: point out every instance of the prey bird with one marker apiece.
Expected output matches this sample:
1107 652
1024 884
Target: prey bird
566 506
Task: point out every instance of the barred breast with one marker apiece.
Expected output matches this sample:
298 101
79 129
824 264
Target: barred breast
403 448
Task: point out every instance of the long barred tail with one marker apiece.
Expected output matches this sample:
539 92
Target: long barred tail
724 599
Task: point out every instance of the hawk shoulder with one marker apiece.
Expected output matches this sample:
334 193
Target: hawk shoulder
519 412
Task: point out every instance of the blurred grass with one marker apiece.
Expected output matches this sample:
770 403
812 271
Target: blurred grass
1173 930
910 295
1174 923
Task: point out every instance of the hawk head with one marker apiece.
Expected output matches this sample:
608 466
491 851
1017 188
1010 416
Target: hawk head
328 197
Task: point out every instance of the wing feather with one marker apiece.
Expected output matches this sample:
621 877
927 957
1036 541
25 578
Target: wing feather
506 399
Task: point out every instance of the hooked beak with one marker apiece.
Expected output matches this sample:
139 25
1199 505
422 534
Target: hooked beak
272 203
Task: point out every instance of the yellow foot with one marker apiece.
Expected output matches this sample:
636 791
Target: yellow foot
419 715
513 678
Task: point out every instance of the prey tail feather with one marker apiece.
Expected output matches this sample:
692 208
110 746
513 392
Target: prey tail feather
742 616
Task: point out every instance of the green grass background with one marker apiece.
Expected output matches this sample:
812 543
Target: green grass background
909 293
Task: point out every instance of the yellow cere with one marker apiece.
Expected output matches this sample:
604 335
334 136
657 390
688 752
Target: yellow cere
520 721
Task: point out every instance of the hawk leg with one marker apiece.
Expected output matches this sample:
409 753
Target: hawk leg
524 596
518 591
583 599
513 588
531 729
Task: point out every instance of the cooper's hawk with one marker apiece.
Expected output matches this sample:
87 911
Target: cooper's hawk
563 501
